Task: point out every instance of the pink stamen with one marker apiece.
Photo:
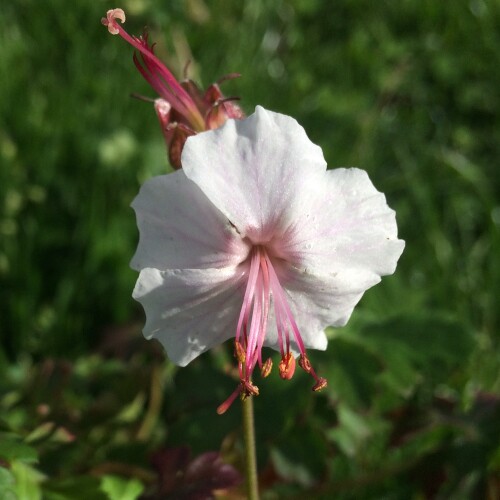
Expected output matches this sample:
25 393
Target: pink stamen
267 299
280 298
247 299
229 401
254 329
263 285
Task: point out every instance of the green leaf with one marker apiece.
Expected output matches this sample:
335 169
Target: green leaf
356 432
12 448
118 488
74 488
28 481
291 470
299 456
351 371
7 484
417 348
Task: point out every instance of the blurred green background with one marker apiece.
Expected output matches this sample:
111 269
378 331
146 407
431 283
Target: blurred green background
409 91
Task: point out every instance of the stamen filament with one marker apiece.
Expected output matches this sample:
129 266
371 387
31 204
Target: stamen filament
247 299
263 285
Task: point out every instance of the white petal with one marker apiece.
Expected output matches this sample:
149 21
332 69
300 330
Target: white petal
319 300
190 310
347 226
180 228
253 169
312 330
327 299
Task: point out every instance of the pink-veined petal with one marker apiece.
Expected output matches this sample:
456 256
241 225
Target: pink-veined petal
253 169
180 228
345 226
321 300
318 301
190 310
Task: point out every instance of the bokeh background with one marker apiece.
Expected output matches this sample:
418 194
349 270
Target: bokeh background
408 90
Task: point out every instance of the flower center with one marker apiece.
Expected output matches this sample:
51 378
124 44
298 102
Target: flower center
263 292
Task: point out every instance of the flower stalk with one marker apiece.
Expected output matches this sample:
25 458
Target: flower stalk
250 449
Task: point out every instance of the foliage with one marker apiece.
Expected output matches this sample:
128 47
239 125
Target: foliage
406 90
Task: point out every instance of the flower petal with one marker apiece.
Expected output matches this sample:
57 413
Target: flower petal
190 310
252 170
318 301
180 228
341 243
312 330
344 226
322 300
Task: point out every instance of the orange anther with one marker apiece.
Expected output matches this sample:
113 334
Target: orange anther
305 364
320 384
239 352
287 366
266 367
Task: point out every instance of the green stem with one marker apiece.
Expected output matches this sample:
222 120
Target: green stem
250 455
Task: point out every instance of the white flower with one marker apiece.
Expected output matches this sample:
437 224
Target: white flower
254 239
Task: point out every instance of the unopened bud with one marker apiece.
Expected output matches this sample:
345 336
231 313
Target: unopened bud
266 367
287 366
320 384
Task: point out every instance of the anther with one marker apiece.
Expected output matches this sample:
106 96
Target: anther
320 384
266 367
249 389
239 352
287 366
305 364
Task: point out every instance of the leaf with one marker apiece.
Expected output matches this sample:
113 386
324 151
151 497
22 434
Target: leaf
431 341
415 350
12 448
299 455
7 484
351 371
357 433
74 488
28 480
291 470
118 488
41 432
